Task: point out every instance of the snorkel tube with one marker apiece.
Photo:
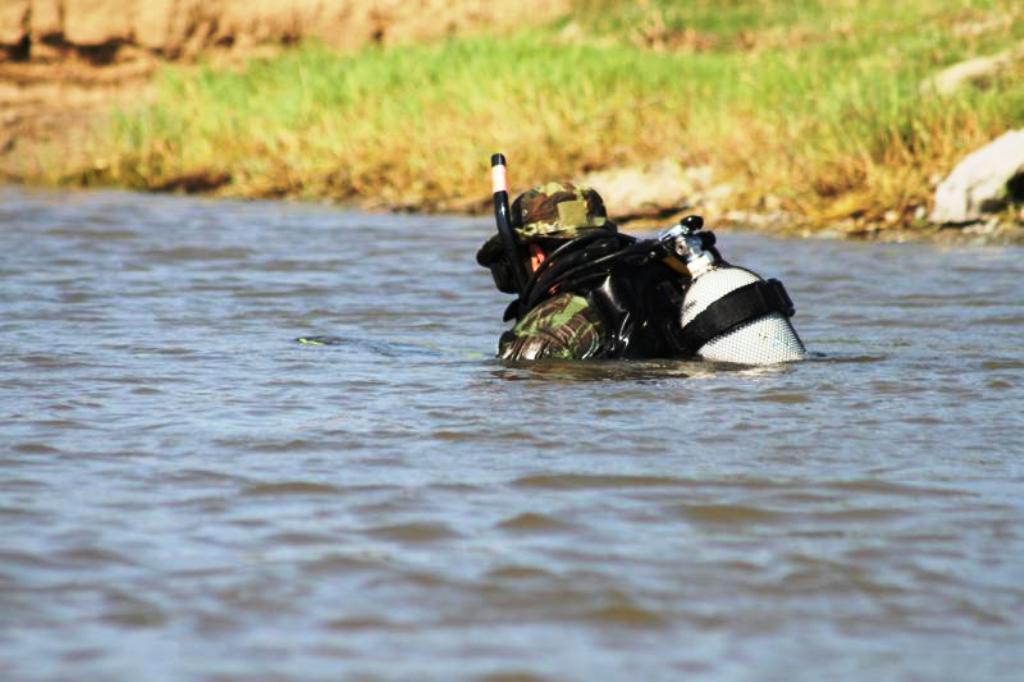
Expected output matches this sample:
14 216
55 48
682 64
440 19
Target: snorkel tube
499 186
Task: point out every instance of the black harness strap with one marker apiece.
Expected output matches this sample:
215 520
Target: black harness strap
746 304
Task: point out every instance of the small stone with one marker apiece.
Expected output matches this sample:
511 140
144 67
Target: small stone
976 70
638 190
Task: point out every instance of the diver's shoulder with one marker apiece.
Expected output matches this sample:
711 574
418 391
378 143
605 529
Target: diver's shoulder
565 326
557 311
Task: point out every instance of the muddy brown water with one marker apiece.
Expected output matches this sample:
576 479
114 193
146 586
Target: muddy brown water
188 494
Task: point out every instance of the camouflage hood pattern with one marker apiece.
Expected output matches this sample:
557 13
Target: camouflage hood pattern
556 210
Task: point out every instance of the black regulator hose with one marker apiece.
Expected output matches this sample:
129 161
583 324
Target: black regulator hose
567 255
499 186
572 265
585 261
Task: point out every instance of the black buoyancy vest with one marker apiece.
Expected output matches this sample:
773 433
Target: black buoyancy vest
638 297
641 305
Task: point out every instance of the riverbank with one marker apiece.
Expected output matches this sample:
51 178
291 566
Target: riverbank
796 117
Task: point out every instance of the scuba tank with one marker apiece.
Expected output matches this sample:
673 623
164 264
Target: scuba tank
730 314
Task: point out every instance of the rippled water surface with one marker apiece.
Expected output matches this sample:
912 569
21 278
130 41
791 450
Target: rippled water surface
187 493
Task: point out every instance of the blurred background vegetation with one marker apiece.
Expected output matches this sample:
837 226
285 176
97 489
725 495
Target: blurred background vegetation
822 108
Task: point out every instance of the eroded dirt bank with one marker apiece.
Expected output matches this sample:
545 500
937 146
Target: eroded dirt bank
63 63
40 29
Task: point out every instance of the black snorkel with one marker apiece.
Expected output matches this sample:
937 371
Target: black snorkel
499 185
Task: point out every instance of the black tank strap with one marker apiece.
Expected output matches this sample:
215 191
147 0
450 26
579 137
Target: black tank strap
738 307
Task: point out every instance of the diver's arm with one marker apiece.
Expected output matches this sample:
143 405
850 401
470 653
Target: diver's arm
564 327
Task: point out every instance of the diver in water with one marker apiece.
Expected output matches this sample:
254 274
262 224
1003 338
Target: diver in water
572 306
584 290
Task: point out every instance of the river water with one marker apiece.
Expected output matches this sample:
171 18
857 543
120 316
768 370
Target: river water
186 493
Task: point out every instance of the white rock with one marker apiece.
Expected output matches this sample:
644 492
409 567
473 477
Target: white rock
978 185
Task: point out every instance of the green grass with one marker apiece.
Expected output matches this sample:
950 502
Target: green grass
816 103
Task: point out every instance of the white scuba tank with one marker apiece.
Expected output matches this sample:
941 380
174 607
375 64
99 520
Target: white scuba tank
764 341
759 334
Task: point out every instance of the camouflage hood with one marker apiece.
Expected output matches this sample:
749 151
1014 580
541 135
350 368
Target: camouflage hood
557 210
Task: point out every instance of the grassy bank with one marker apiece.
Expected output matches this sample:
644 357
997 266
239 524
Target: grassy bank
816 104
